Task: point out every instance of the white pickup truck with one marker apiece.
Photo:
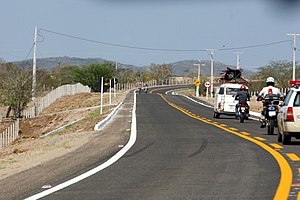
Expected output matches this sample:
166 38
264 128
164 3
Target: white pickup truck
225 99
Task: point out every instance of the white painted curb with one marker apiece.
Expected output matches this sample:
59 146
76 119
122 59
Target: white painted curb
101 124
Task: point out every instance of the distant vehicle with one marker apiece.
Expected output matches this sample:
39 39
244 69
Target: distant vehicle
289 115
225 99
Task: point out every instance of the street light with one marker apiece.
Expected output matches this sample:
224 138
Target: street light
294 54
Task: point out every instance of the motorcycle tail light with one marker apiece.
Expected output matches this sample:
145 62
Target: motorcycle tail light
270 91
243 105
289 114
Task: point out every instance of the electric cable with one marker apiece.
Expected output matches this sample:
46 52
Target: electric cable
29 51
161 49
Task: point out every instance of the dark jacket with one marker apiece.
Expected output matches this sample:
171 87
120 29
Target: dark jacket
243 96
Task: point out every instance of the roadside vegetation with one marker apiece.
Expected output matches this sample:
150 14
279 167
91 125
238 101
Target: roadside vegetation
16 82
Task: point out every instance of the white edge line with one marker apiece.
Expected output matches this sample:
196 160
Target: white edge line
91 172
102 123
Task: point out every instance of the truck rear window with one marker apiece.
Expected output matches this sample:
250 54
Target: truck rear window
232 91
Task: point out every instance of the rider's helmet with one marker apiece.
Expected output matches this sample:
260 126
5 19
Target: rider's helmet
243 87
270 81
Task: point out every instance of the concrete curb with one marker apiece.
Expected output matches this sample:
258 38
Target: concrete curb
102 123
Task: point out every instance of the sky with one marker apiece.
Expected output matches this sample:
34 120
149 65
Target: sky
142 32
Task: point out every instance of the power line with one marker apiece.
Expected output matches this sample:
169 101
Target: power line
119 45
162 49
255 46
29 51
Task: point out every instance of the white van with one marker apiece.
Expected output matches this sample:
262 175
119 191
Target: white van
225 99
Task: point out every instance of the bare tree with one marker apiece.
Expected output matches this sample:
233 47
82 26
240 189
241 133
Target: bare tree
15 87
161 72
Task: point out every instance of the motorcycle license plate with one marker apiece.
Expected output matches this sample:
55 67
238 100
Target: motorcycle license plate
272 113
242 108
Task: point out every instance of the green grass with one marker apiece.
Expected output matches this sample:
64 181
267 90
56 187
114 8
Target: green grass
95 113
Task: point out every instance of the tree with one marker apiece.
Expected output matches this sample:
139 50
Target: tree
280 70
161 72
15 87
61 75
89 75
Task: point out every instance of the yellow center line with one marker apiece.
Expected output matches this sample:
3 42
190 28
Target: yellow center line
260 138
293 157
276 146
245 133
234 129
285 182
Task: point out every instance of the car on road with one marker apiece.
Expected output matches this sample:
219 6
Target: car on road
288 117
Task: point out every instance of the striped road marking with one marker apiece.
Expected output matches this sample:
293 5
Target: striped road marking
293 157
276 146
260 138
285 183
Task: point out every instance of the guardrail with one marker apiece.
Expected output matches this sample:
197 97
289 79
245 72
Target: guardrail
10 134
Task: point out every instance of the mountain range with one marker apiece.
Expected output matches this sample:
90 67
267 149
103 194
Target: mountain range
180 68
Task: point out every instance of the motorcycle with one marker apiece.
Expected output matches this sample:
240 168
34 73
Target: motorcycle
243 112
270 113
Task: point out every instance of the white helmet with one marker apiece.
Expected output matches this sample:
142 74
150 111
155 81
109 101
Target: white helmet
270 80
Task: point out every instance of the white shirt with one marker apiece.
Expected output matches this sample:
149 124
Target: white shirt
265 91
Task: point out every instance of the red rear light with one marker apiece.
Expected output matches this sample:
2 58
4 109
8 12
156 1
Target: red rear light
219 105
270 91
243 105
294 82
289 114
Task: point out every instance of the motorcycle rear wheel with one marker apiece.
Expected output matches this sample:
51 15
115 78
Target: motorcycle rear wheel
271 126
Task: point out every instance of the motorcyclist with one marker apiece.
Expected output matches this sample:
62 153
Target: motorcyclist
243 96
270 89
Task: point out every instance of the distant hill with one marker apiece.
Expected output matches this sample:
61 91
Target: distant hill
185 67
51 62
180 68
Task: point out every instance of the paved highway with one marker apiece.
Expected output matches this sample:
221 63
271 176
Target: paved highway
182 152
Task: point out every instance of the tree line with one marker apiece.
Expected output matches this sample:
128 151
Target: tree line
16 82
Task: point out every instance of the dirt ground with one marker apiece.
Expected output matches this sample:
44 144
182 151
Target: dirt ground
32 149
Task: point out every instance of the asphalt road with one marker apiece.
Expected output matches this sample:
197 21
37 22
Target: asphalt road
182 152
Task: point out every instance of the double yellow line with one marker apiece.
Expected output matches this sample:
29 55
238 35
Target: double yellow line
285 183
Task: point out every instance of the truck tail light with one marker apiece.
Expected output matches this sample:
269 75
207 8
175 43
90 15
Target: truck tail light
219 105
289 114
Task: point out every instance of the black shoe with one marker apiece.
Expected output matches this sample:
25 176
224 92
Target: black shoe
263 126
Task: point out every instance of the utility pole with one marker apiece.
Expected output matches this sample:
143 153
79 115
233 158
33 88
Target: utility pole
34 65
211 71
238 66
294 54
